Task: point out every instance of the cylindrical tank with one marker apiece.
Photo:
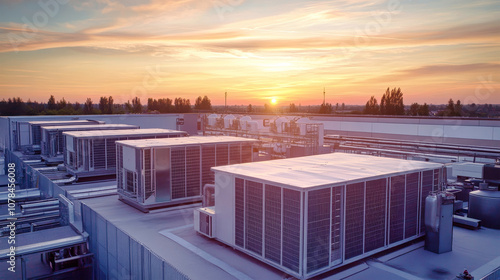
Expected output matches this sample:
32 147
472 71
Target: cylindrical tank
243 122
302 125
212 119
485 206
228 120
279 123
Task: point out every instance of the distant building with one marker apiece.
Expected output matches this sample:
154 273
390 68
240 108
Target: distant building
312 214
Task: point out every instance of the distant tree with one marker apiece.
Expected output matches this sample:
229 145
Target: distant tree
77 106
452 109
293 108
337 107
182 105
109 110
326 108
424 110
103 104
128 107
249 108
61 104
87 107
414 109
371 107
203 103
136 105
165 105
391 102
343 106
51 104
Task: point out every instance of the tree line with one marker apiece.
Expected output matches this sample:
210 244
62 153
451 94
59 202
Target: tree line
17 107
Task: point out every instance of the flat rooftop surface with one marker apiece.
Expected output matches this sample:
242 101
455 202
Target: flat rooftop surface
88 126
325 169
123 132
170 235
165 142
62 122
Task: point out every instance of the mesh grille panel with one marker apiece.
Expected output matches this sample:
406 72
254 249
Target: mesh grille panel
253 217
239 217
208 161
273 224
178 158
336 224
397 209
411 204
318 229
291 229
354 220
375 214
193 168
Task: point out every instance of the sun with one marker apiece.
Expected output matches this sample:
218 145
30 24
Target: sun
274 101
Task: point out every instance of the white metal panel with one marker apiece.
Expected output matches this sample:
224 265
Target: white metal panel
357 126
468 132
395 128
224 197
468 169
429 130
496 133
69 143
332 125
129 158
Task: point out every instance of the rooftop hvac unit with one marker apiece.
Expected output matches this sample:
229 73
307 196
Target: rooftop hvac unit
309 215
93 153
204 220
53 141
162 172
36 128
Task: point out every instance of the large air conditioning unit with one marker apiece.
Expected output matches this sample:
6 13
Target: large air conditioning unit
53 141
155 173
35 129
312 214
93 153
204 220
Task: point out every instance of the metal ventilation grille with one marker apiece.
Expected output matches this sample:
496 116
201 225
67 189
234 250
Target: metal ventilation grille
99 154
36 134
273 224
318 229
193 168
90 146
253 216
178 158
437 177
397 209
119 172
205 224
375 214
246 153
239 212
222 154
60 141
336 239
354 220
427 182
411 218
111 152
234 154
130 183
148 185
208 160
291 229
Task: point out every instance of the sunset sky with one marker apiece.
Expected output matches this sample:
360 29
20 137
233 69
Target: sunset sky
255 50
